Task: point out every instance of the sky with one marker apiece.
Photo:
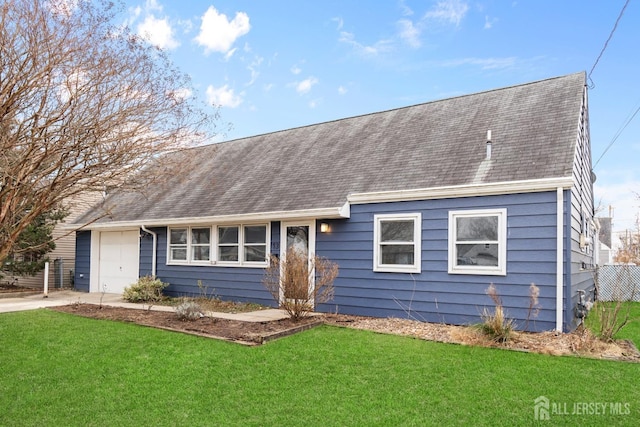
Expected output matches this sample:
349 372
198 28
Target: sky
275 65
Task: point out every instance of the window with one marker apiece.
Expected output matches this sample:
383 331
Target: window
200 244
228 245
178 244
477 242
246 244
255 243
397 241
189 244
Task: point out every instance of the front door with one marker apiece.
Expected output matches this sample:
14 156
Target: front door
298 240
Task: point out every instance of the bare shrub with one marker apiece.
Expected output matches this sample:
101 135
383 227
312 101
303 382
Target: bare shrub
147 289
534 306
612 316
496 325
189 310
298 283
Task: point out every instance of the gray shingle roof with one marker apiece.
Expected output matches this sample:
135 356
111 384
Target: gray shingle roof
440 143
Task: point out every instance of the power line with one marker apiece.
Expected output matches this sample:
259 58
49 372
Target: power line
615 26
622 128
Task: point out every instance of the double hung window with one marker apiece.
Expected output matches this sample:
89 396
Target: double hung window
477 242
397 239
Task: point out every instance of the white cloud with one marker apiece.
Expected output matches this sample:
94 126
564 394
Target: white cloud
268 87
218 33
483 63
254 69
371 50
406 10
223 97
449 11
296 70
488 23
153 5
62 7
342 90
158 32
182 93
305 85
409 33
339 22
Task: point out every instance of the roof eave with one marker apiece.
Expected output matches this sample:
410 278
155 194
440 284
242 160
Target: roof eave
467 190
302 214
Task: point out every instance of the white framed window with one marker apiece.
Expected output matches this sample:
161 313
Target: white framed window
189 245
478 242
397 241
242 245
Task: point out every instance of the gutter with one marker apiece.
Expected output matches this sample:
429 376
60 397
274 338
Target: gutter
155 247
559 258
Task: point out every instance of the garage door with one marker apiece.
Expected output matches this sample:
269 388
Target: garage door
119 257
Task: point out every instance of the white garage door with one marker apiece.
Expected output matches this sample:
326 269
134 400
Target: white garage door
119 257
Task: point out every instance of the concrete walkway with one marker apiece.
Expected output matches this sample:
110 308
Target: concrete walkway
64 297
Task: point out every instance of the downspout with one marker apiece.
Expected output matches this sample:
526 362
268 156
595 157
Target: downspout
155 247
559 258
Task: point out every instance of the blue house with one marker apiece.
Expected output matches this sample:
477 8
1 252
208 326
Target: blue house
421 207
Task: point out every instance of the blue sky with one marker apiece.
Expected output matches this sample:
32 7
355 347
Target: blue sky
274 65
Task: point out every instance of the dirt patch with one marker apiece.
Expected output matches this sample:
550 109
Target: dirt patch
579 343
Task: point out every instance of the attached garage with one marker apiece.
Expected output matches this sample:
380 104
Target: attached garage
118 260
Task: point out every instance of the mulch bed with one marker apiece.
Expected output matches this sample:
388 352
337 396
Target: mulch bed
579 343
250 333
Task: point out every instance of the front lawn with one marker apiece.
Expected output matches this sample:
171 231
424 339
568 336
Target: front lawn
58 369
631 331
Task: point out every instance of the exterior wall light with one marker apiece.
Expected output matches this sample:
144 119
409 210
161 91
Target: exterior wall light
324 227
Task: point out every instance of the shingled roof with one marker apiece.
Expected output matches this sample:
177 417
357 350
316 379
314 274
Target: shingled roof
435 144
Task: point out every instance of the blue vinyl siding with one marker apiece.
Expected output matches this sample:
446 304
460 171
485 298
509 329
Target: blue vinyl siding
83 261
581 262
435 295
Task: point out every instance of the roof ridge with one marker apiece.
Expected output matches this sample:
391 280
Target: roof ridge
373 113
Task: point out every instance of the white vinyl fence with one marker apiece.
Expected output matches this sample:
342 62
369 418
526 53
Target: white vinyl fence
618 283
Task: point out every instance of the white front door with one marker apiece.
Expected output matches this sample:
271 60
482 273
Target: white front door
119 254
301 238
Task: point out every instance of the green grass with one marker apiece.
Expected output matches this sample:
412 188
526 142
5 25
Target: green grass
630 331
58 369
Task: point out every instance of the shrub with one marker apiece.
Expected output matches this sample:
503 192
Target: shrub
146 289
189 310
496 325
298 283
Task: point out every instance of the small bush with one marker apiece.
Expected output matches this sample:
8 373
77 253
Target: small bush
189 310
496 325
147 289
298 283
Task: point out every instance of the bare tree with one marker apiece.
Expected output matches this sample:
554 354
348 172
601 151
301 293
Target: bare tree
298 283
83 105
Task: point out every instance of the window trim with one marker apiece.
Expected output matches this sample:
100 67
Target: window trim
213 246
241 246
188 246
416 267
501 269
